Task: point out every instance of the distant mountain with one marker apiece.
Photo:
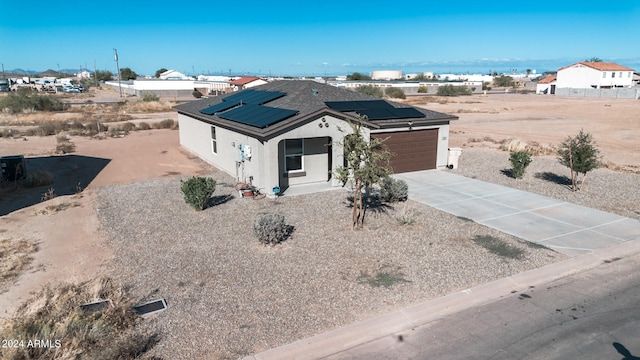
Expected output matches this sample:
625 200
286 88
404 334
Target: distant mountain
48 72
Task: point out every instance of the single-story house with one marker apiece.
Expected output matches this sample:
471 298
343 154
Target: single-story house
594 74
284 133
546 85
246 82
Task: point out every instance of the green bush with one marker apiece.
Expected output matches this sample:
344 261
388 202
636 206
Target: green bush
423 90
149 97
26 100
270 228
128 126
196 94
393 190
580 154
395 93
519 162
370 90
197 191
165 124
453 90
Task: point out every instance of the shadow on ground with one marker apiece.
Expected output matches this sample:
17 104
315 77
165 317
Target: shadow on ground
71 173
554 178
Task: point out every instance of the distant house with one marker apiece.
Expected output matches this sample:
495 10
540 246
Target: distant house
173 75
246 82
596 75
283 133
546 85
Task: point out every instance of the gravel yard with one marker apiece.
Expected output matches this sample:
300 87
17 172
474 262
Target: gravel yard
229 296
607 190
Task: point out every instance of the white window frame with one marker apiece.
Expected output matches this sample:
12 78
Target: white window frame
604 74
301 154
214 141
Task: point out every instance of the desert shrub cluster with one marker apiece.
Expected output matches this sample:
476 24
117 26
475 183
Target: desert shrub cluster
197 191
270 229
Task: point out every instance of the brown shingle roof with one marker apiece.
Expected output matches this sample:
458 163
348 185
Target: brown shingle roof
601 66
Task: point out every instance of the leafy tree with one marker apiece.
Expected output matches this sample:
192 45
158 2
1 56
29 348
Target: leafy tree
196 94
395 93
366 164
528 72
358 76
370 90
503 81
160 71
453 90
128 74
581 155
519 162
104 75
594 59
421 77
197 191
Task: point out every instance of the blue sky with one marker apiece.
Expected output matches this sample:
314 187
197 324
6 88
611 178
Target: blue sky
317 38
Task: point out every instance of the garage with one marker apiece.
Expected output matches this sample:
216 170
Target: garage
412 150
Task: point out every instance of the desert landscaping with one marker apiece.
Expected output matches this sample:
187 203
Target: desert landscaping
115 211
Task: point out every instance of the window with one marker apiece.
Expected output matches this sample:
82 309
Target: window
293 152
620 74
214 140
629 75
604 74
613 74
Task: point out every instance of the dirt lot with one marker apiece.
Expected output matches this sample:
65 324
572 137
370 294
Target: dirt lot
614 123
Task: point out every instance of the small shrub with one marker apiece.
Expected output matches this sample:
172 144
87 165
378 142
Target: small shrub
197 191
370 90
128 126
407 216
165 124
519 162
49 194
144 126
64 145
453 90
149 97
394 190
386 277
270 228
423 90
395 93
196 94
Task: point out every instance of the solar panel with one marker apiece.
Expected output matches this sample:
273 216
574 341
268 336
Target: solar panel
255 97
257 115
375 109
225 105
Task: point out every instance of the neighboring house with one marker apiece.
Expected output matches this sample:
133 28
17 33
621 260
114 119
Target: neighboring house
284 133
597 75
173 75
246 82
546 85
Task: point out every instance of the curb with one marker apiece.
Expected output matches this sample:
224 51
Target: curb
335 341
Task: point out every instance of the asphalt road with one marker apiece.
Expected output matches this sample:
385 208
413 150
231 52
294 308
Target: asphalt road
591 315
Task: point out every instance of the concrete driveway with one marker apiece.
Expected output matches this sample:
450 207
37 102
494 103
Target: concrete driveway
565 227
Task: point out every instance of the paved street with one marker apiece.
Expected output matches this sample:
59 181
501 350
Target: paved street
591 315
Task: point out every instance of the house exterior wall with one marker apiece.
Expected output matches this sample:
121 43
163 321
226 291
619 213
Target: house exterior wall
584 77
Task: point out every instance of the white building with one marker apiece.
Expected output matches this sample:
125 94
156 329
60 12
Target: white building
597 75
174 75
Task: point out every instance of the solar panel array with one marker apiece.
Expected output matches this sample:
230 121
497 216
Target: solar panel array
246 107
257 115
375 109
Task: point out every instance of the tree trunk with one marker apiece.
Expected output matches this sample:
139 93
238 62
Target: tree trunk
355 205
573 177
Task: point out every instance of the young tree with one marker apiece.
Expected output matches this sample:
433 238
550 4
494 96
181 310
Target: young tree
370 90
366 164
160 71
579 154
358 76
519 162
104 75
503 81
128 74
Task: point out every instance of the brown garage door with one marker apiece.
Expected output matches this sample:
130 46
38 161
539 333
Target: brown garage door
412 150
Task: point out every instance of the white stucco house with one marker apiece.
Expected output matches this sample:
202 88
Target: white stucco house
284 133
547 85
173 75
596 75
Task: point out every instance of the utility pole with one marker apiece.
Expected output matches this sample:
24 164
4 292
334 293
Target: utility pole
4 77
115 56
